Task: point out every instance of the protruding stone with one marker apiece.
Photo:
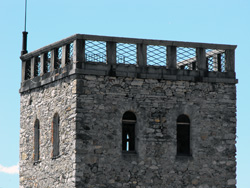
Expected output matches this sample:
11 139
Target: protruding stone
231 182
24 156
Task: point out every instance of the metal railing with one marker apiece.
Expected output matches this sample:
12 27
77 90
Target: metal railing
128 51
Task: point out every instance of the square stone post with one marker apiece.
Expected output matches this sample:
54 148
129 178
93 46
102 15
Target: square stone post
42 59
53 59
32 67
64 55
23 71
171 57
201 59
78 53
111 57
142 55
111 53
230 60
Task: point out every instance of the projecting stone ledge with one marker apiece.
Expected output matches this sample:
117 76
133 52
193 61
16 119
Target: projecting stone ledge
129 71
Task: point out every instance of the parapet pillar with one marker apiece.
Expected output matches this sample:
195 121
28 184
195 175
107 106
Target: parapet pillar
32 68
64 55
78 53
111 53
23 71
53 60
42 59
171 57
111 57
142 55
201 59
230 60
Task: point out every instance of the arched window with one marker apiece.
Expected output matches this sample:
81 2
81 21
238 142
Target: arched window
128 131
183 135
36 140
55 135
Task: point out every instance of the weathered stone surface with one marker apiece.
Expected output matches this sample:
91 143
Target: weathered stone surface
155 163
91 110
231 182
46 101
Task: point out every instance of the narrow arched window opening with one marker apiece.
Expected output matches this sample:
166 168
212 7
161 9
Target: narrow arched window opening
128 131
183 135
55 135
36 140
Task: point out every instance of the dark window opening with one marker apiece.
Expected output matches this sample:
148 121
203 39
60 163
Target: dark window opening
36 140
55 135
183 136
30 101
128 131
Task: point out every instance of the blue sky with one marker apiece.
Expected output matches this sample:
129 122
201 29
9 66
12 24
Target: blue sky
213 21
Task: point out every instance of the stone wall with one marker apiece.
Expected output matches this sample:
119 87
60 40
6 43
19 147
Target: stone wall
101 103
91 109
92 97
42 103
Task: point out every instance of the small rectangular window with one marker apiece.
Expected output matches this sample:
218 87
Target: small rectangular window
55 136
36 140
128 131
183 136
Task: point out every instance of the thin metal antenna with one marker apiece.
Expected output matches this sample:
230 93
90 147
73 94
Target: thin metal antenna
25 18
24 48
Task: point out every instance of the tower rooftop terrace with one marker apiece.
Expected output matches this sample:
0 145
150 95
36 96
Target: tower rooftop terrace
128 57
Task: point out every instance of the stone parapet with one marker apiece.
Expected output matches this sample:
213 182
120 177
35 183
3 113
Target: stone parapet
140 58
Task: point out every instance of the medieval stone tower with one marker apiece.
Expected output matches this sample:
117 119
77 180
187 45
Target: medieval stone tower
108 112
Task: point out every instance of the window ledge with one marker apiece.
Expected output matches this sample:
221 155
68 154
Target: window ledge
184 157
129 153
56 157
129 156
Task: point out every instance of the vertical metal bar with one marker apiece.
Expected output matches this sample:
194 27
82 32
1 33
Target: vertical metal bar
24 44
25 17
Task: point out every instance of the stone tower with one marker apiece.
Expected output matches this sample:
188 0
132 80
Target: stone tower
108 112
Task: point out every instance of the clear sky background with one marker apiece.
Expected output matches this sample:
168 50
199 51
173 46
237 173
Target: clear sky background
213 21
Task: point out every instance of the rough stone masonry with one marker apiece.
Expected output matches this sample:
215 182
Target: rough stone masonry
91 106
